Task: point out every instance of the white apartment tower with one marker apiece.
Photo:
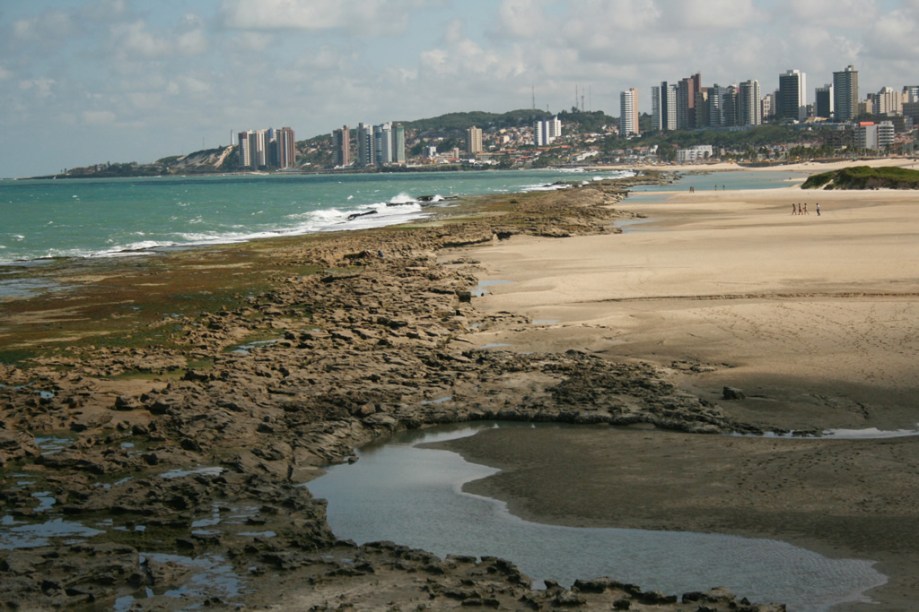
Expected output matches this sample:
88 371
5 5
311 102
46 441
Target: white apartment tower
628 113
474 140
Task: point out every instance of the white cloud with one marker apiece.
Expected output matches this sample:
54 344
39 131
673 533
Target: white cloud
93 117
895 36
5 74
317 15
41 87
134 39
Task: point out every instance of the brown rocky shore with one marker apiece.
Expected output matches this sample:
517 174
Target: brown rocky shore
161 414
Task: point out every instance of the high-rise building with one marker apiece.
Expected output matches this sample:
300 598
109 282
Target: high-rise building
749 111
889 102
341 142
845 94
768 106
546 132
703 107
245 152
686 101
474 140
398 144
729 106
792 96
382 144
910 94
663 107
823 102
286 148
364 145
628 115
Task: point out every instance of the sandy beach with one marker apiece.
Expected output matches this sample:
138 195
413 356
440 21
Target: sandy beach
813 318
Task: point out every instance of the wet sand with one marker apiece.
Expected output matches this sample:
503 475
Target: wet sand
813 318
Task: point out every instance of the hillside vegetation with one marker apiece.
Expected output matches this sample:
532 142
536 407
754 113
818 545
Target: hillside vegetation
864 177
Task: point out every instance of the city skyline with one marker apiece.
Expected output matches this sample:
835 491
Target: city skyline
121 80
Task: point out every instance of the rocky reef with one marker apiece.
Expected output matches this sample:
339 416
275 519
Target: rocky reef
170 475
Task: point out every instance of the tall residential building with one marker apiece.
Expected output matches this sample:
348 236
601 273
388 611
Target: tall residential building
628 113
364 145
823 101
382 144
845 94
910 94
245 152
889 102
749 111
703 107
663 107
286 148
546 132
792 96
474 140
398 144
768 106
730 106
341 142
686 101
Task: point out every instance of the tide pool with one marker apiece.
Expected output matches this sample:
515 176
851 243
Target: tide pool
414 496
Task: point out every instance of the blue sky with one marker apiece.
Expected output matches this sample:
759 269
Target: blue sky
91 81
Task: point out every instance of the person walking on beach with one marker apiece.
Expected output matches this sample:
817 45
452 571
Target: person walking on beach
818 209
805 208
794 210
799 209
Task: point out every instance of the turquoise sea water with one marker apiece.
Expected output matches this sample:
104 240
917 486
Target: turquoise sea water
107 217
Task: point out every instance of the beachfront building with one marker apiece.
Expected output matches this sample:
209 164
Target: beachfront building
341 144
749 110
284 147
823 102
474 140
364 138
870 136
382 144
792 98
268 148
694 154
628 113
845 94
398 144
663 107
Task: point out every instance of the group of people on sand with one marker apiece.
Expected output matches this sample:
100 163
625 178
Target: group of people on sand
801 209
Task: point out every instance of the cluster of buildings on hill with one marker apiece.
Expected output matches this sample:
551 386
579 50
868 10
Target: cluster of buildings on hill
267 149
544 133
687 105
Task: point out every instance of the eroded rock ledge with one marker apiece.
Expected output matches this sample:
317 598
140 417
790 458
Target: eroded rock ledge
206 458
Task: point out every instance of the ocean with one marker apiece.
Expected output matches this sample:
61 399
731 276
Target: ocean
43 219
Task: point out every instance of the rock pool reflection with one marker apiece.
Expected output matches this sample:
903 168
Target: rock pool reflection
413 496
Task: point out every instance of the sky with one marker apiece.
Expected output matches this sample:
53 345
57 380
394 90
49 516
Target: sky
95 81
